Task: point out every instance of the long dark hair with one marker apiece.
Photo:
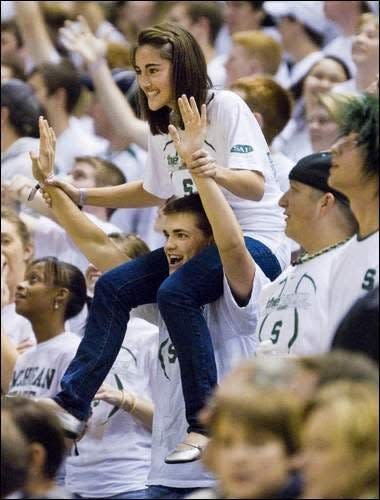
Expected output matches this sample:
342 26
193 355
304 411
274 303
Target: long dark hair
189 73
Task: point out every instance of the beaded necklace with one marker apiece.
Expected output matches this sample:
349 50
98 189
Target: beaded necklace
306 257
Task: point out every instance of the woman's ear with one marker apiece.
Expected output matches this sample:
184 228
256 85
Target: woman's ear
61 297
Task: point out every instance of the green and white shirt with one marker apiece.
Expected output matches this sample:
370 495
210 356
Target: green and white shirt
294 309
236 141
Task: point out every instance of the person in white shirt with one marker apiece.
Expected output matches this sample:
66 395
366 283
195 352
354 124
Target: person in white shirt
345 16
16 251
365 54
50 293
294 141
355 172
19 128
241 168
203 20
58 88
294 309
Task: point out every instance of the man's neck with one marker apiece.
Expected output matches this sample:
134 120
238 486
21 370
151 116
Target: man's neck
59 121
117 142
366 211
325 236
209 52
99 212
8 137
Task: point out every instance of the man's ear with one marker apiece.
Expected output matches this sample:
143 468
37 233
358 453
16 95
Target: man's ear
259 118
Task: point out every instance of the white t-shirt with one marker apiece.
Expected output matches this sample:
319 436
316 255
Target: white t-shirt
16 160
232 332
39 370
75 141
236 141
217 71
50 239
116 449
354 274
294 308
16 327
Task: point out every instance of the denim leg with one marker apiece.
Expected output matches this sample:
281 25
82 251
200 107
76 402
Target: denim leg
116 293
180 299
155 492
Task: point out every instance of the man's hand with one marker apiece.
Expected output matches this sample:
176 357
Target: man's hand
190 139
77 37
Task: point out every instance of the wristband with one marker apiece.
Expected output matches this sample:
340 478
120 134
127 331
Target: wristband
38 186
82 197
133 405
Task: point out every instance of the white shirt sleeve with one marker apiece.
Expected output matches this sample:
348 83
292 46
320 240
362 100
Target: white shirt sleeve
243 319
242 139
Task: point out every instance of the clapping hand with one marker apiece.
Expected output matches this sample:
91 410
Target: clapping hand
190 139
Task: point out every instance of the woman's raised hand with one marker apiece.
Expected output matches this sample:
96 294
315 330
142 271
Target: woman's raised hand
43 164
78 37
191 139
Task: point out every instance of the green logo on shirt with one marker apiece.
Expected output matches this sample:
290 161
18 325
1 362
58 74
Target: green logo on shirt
241 148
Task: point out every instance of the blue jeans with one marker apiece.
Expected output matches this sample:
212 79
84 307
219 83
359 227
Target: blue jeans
180 297
156 492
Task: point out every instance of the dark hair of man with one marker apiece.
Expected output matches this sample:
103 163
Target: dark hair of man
65 275
63 75
361 116
209 10
39 425
23 107
191 204
189 71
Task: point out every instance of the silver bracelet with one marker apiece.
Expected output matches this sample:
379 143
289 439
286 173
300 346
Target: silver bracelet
82 197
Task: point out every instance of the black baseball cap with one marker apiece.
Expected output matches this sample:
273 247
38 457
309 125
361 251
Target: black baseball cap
314 170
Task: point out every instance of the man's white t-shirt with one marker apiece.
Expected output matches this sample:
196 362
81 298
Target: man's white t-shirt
116 449
232 331
16 327
282 165
236 141
75 141
294 308
39 370
354 274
